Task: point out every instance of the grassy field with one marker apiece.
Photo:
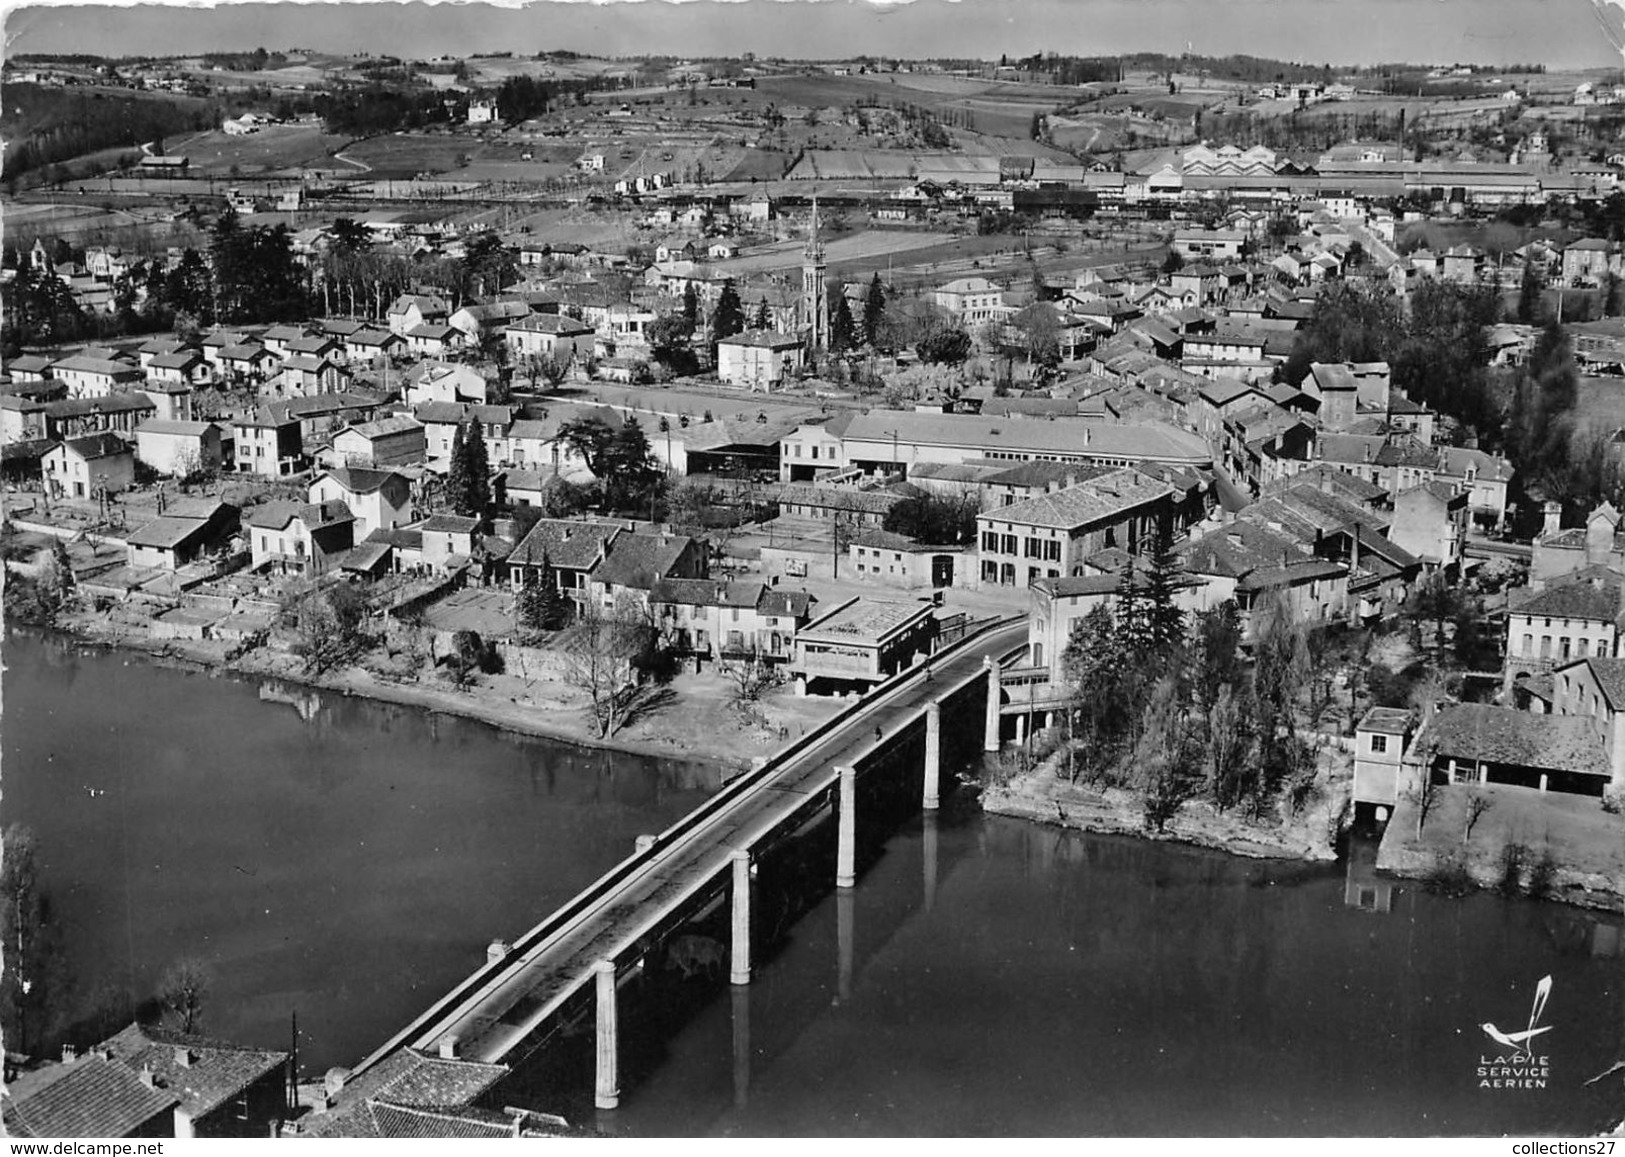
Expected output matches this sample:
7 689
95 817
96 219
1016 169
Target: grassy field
274 149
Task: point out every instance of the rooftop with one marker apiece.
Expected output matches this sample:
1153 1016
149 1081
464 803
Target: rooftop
866 620
213 1071
1479 731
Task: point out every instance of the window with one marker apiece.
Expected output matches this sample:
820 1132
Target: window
1529 644
990 571
1379 743
1052 551
1009 544
1581 647
1035 549
1007 574
1545 646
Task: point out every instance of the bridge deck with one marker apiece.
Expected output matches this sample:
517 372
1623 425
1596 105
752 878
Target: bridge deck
535 981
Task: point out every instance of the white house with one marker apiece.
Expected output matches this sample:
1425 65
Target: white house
178 448
760 359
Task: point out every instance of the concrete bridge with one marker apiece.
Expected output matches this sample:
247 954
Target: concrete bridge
572 965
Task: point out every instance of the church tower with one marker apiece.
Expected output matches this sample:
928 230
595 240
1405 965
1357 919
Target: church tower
814 301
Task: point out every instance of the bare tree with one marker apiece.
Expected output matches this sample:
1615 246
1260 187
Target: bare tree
1477 805
1425 796
605 654
183 988
750 674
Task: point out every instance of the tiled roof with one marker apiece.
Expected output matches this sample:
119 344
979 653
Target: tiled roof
1610 675
450 524
102 445
90 1097
215 1070
1591 593
315 516
837 498
384 427
638 560
167 532
358 479
1479 731
568 544
1107 496
794 604
706 593
407 1077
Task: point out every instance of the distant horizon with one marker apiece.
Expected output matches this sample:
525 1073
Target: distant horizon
1560 34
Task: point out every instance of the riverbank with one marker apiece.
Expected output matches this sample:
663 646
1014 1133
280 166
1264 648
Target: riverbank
1565 847
1045 797
701 722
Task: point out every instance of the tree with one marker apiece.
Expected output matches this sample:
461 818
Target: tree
842 330
1530 289
457 489
183 990
945 347
328 626
1094 663
618 456
1433 599
729 315
935 520
874 312
1161 769
669 343
764 315
605 654
691 308
1164 578
749 674
1230 767
1216 653
1174 262
349 236
540 605
1040 334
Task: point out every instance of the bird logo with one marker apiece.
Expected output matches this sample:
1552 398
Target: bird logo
1518 1042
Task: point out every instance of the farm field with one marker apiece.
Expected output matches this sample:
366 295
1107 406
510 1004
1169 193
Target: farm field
274 149
1602 402
841 250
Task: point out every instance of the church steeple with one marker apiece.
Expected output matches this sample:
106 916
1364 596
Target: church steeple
814 299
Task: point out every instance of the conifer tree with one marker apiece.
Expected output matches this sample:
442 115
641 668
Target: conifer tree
478 466
764 316
874 311
457 493
842 329
729 317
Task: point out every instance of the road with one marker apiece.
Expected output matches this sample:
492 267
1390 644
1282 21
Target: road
537 979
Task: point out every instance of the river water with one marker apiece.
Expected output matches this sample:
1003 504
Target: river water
350 860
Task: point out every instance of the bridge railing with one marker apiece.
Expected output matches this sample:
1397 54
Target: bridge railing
583 901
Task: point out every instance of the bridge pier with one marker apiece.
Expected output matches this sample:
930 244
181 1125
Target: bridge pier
607 1087
933 756
846 851
990 736
739 970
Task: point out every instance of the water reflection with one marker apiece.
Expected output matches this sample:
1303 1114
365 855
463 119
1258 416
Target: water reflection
348 859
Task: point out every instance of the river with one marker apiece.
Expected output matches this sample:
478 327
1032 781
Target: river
987 976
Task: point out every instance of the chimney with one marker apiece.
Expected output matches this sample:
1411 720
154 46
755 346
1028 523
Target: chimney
1326 481
69 1054
496 950
183 1057
1553 513
146 1077
448 1047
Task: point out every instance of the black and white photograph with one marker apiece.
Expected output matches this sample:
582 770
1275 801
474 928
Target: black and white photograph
854 569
